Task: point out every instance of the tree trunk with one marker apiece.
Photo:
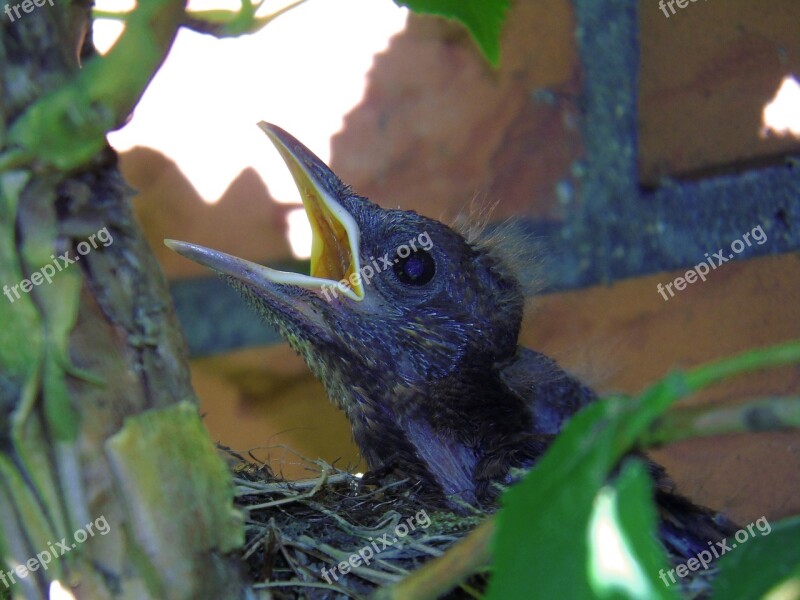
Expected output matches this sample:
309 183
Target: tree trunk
108 481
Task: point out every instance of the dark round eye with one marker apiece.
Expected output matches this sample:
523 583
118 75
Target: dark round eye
417 268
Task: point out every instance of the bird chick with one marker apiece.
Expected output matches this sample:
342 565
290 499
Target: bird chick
413 330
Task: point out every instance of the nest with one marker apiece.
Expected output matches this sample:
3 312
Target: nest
337 535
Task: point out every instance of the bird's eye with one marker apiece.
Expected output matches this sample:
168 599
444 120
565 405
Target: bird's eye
416 269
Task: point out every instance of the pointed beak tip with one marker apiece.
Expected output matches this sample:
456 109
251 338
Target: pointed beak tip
193 252
273 131
178 246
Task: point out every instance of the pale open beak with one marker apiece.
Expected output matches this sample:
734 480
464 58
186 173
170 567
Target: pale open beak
335 234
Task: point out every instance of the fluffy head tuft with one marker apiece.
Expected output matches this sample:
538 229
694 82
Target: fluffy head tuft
515 250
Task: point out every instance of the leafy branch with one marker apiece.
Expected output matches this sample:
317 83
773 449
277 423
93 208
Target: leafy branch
66 128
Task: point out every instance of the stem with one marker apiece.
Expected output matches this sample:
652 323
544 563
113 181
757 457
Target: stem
753 360
764 414
107 14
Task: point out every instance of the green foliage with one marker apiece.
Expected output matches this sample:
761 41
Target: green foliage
66 128
226 23
561 524
220 23
23 359
482 18
624 553
543 530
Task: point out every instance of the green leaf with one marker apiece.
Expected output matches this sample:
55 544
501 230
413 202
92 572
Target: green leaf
483 19
624 552
769 560
542 541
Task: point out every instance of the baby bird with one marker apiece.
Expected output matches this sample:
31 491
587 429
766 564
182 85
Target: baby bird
413 331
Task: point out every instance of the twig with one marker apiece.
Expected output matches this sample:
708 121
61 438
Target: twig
260 487
310 584
370 574
320 482
254 544
390 520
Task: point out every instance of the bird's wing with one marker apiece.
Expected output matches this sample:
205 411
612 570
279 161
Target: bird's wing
551 394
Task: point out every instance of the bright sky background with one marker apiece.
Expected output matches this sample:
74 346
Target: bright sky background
304 71
781 116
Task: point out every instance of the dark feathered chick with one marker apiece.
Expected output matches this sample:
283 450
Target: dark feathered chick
420 347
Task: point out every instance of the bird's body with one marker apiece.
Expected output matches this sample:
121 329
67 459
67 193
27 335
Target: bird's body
420 349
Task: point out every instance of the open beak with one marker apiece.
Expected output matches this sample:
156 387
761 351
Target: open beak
335 234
